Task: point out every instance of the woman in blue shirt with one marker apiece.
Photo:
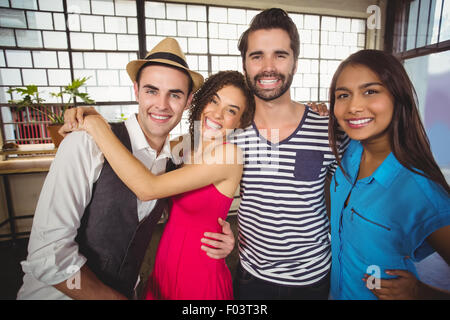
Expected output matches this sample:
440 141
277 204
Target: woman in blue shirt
390 203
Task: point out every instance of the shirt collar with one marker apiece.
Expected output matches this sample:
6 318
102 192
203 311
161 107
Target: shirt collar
139 142
385 174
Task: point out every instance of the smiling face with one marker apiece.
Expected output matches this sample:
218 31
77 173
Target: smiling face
223 113
162 94
269 63
363 105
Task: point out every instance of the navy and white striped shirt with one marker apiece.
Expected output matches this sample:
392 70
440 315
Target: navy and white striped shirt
283 225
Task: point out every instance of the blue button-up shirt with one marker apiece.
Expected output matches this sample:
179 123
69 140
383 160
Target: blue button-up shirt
385 224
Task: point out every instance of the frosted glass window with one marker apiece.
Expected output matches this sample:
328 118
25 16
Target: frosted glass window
228 63
10 77
192 62
63 58
79 6
324 37
18 58
358 25
152 41
59 21
51 5
55 39
233 47
73 22
350 39
7 37
217 14
116 24
166 27
311 22
202 29
127 42
445 26
45 59
58 77
305 36
81 40
202 63
125 8
336 38
91 23
34 76
311 50
197 45
105 7
343 24
329 23
213 30
39 20
218 46
105 41
117 60
304 66
327 52
150 26
108 77
196 13
12 18
155 10
187 29
176 11
132 25
24 4
236 16
228 31
298 19
29 38
95 60
2 60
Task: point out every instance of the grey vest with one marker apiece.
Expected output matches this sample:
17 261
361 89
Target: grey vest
110 235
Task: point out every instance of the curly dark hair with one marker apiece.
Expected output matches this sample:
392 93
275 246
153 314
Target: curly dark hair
205 94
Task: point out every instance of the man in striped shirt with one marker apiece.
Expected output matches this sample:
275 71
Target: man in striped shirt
284 244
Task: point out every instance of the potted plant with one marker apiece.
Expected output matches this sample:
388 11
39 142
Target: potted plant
30 99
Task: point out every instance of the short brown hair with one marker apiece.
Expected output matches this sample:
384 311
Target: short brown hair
274 18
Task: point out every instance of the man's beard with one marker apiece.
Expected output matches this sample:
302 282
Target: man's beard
268 95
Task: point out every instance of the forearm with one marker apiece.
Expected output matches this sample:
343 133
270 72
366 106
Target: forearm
86 286
130 170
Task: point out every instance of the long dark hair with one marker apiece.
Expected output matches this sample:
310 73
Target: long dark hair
205 94
409 142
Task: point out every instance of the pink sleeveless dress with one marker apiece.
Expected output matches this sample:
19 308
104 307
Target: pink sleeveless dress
182 270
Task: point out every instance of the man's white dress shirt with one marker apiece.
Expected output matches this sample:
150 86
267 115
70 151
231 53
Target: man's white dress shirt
52 251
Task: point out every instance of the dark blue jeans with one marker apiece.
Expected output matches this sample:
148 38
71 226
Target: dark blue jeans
248 287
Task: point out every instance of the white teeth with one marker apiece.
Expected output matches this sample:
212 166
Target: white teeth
212 124
159 117
268 81
361 121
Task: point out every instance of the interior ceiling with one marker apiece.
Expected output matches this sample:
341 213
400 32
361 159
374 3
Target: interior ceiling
350 8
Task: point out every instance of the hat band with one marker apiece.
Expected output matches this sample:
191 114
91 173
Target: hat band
167 56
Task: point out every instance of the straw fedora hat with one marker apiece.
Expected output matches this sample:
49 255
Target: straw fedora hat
168 52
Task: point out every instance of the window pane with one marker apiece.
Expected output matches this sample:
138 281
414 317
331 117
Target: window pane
412 25
430 75
445 26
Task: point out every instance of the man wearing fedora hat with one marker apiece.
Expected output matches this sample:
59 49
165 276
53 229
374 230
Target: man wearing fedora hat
90 232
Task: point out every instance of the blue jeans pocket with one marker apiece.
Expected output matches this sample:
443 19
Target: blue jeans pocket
308 164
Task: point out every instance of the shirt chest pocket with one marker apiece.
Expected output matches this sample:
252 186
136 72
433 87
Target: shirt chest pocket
308 165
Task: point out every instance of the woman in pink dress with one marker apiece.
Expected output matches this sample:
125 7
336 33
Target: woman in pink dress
202 188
